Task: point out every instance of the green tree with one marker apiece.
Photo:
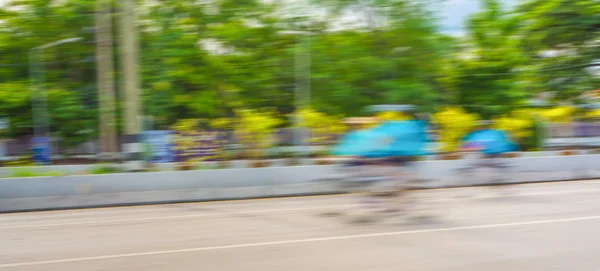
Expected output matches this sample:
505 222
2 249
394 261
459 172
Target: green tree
68 70
73 122
484 75
209 60
570 29
15 103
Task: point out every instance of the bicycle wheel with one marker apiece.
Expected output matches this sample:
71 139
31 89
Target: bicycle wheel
502 176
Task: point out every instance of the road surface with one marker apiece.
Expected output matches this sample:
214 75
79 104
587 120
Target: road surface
553 226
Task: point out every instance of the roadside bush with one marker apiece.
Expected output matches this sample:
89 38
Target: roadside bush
592 115
324 128
518 125
106 169
525 127
203 166
30 172
561 114
391 116
453 124
21 162
255 130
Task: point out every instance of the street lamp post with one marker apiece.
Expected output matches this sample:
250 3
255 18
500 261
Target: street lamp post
41 126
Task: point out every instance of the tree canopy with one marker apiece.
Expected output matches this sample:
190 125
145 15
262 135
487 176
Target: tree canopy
209 59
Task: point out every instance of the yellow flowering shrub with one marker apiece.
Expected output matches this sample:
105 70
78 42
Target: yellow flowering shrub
221 123
561 114
390 116
593 114
185 125
322 126
517 124
255 129
453 123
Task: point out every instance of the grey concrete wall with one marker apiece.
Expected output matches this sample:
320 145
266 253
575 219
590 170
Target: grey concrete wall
73 169
21 194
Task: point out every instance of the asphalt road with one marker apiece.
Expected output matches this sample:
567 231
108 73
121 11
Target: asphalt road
534 227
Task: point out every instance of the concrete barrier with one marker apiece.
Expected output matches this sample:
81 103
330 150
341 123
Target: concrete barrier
74 169
38 193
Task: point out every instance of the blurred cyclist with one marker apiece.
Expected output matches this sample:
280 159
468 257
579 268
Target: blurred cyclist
491 144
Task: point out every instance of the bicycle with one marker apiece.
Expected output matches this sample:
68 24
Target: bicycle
382 189
496 171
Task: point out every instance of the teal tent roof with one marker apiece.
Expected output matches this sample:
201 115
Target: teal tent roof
393 138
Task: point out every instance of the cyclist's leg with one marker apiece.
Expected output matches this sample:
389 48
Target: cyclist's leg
399 199
385 187
372 200
469 175
347 172
418 203
353 185
495 162
501 173
366 197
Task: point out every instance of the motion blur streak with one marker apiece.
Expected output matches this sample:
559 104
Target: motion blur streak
465 234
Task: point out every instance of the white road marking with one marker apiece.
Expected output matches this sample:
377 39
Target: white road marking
293 241
109 221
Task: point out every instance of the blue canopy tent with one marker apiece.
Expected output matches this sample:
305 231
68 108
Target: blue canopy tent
392 138
490 141
358 142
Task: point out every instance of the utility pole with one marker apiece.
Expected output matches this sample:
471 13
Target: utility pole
132 110
105 79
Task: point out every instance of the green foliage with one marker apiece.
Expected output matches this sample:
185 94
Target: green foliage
73 123
570 28
553 23
205 60
31 172
535 142
21 162
203 166
15 96
106 169
483 74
